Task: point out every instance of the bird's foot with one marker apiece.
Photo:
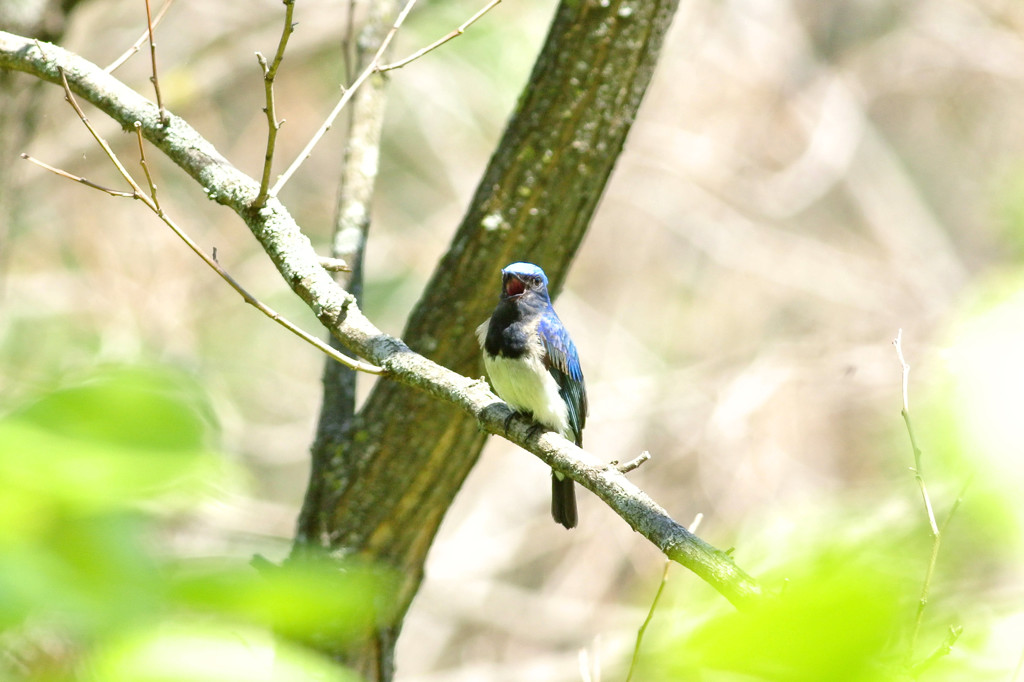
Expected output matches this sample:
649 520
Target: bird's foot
535 430
508 421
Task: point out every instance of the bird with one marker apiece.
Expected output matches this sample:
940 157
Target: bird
533 366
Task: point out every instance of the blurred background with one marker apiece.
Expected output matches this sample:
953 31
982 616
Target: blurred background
803 181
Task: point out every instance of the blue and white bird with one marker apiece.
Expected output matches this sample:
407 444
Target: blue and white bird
533 366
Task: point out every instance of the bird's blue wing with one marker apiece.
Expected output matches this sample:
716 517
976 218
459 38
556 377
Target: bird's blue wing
563 363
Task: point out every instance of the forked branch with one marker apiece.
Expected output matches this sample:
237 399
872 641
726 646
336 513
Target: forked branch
440 41
151 202
299 265
269 74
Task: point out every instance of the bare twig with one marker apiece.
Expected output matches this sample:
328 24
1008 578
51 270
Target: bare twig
943 649
269 73
634 463
77 178
211 261
145 168
647 621
70 99
152 58
905 412
650 613
346 95
138 43
440 41
936 531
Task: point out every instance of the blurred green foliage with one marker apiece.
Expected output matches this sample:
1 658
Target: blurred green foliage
971 417
844 598
832 620
86 472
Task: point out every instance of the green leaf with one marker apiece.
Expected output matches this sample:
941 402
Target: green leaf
304 597
122 436
186 651
832 622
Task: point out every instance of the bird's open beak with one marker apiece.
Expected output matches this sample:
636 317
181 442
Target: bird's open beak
514 286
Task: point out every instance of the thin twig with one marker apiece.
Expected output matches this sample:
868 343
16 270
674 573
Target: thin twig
138 43
634 463
936 532
152 59
440 41
273 125
650 613
346 95
647 621
905 412
77 178
145 168
211 261
943 649
70 98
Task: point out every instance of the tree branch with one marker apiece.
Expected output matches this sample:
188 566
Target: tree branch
294 257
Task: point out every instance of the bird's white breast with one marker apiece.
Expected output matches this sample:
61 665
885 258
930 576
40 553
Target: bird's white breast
527 386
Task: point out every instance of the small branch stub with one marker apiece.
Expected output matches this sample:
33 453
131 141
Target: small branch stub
632 464
334 264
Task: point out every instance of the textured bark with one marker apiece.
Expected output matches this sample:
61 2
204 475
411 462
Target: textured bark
389 485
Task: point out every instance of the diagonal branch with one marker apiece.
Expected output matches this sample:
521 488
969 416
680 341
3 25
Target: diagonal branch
153 204
134 49
294 257
455 33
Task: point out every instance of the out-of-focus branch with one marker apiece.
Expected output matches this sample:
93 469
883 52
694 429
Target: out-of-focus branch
359 166
455 33
936 530
293 255
131 51
134 49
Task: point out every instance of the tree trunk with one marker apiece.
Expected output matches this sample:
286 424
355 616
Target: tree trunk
386 483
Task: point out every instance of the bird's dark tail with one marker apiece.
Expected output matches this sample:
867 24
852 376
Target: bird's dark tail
563 500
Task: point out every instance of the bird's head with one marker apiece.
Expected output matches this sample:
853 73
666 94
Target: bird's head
523 278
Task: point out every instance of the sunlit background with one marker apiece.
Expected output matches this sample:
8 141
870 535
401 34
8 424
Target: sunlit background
804 180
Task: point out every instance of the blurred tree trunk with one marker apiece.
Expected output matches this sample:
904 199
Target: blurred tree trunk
386 475
365 119
20 96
